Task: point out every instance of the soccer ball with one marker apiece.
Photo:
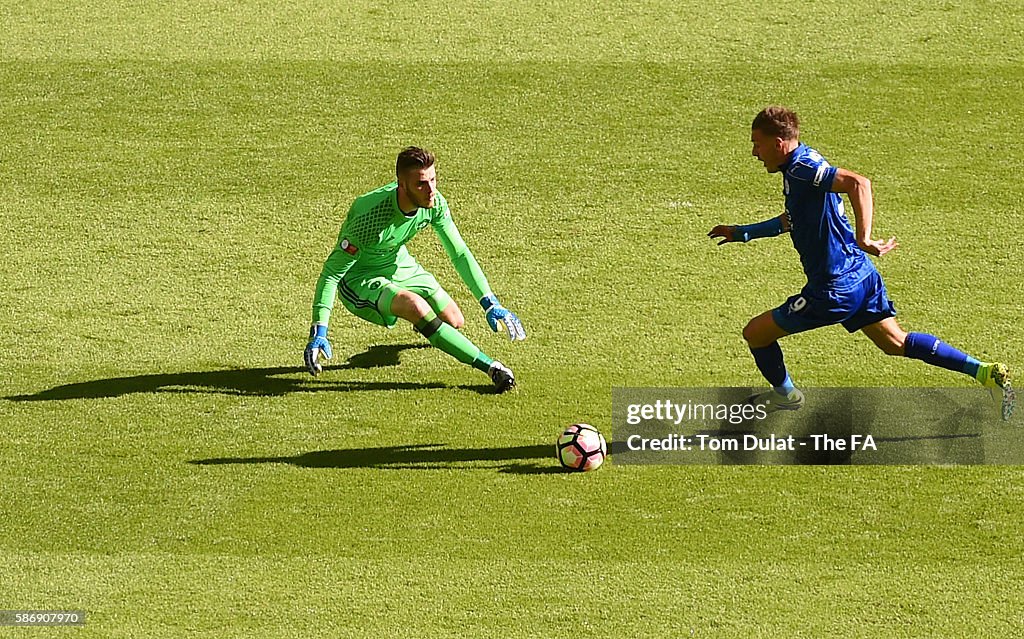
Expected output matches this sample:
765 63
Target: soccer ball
581 447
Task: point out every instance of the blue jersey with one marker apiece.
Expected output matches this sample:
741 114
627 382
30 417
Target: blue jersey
818 225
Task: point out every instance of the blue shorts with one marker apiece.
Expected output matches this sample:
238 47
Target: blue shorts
855 306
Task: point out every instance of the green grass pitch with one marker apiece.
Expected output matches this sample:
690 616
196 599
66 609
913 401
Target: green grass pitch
172 178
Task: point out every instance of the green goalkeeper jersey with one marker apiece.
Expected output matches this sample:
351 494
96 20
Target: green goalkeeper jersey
372 241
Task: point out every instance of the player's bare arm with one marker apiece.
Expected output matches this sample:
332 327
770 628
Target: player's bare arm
858 189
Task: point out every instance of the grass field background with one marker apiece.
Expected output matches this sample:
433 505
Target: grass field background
172 179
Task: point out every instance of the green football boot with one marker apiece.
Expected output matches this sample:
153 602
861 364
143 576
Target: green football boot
998 376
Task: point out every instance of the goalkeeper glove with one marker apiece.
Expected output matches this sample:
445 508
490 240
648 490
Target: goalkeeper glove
498 313
318 345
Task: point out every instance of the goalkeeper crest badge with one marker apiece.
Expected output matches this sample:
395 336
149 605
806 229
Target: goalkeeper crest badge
349 247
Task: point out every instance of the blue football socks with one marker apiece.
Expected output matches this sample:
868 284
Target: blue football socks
769 362
932 350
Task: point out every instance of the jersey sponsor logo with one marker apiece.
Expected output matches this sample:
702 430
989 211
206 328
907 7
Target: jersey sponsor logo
349 247
785 185
422 224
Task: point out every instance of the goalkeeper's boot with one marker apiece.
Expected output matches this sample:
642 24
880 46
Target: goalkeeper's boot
773 400
502 377
998 376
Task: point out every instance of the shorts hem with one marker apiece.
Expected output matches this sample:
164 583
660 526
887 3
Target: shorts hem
853 327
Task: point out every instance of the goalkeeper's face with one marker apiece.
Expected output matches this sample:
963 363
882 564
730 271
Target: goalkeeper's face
420 186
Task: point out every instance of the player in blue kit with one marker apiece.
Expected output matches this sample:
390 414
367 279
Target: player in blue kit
843 286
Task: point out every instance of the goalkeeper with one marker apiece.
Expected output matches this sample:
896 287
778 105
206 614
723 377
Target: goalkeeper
379 281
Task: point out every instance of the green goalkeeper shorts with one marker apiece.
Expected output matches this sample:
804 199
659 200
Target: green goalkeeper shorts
369 295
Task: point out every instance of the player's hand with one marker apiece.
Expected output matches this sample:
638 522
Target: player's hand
878 248
318 345
728 233
497 313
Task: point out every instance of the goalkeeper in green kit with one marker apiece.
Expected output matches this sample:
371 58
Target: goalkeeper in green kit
379 281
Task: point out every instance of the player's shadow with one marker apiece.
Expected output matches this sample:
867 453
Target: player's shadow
256 382
512 459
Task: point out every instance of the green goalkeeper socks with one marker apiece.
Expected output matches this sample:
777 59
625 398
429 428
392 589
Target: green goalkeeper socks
443 336
482 362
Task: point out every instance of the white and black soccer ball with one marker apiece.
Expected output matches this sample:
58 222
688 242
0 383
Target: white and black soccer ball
581 448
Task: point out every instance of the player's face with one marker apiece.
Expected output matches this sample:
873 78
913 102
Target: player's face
769 149
421 186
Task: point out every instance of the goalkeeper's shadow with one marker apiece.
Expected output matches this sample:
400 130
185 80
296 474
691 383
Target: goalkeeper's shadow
251 382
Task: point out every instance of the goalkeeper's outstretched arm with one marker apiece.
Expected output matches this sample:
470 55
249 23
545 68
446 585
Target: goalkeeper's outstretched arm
337 264
473 277
462 258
